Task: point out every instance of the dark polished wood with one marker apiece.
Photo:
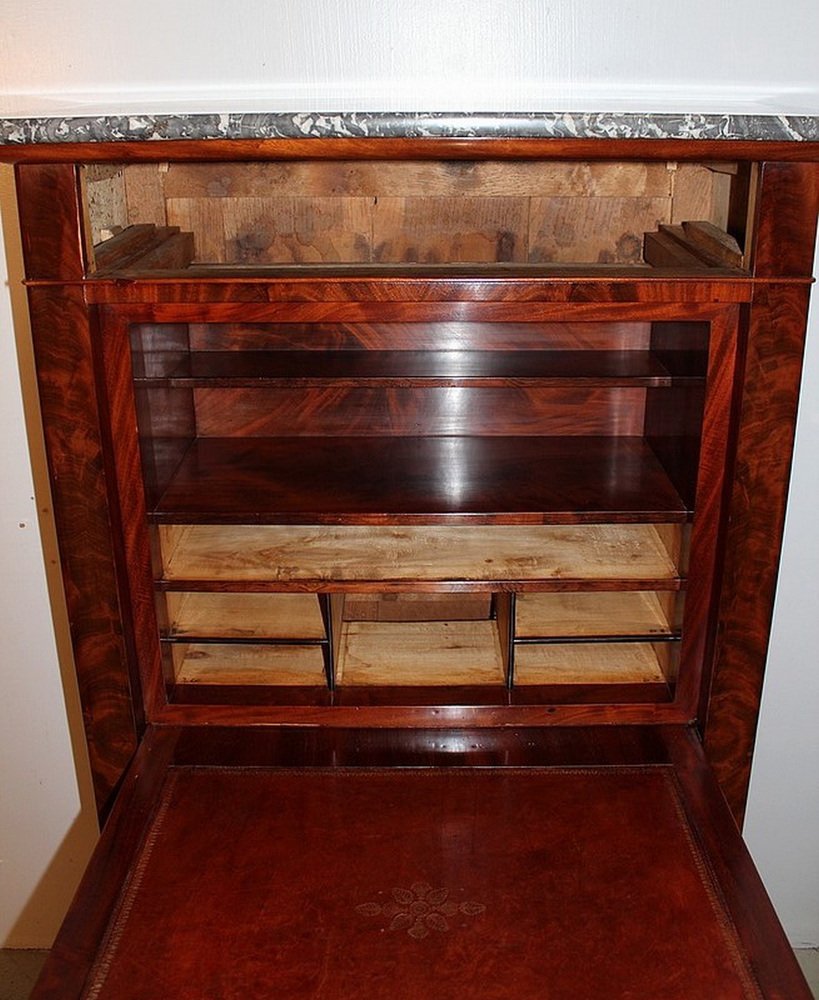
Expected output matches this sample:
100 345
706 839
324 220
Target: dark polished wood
711 510
393 480
785 231
402 695
126 478
418 369
72 956
120 251
53 245
785 224
410 339
536 694
770 396
330 296
758 929
51 222
254 746
403 412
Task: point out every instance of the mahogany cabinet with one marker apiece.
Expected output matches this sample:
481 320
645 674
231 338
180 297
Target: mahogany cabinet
420 506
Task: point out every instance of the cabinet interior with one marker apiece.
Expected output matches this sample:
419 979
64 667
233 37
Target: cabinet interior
410 505
405 511
521 213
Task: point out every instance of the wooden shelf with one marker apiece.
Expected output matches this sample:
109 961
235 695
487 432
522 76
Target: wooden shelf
404 479
457 557
223 663
201 272
594 663
283 368
244 616
567 615
419 654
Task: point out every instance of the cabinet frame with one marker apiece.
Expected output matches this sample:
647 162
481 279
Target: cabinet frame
772 303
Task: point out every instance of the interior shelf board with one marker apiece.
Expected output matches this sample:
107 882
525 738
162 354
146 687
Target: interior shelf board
420 653
578 663
567 615
371 480
244 616
241 664
412 368
606 556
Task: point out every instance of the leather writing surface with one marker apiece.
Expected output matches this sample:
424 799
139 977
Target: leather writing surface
495 883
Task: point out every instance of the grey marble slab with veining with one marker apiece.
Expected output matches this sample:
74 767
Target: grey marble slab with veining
158 127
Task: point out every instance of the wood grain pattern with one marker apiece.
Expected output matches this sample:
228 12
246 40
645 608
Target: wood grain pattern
630 294
176 252
359 178
602 230
699 193
54 246
205 219
69 405
263 213
660 249
419 653
325 557
415 369
500 293
712 485
593 663
247 665
127 247
73 437
243 616
481 708
137 554
757 509
145 202
566 614
713 243
370 412
415 607
421 336
784 230
422 211
785 223
302 230
405 480
434 230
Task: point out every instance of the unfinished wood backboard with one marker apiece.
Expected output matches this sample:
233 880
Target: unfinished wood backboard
429 212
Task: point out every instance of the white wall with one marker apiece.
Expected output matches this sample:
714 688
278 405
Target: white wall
458 55
782 823
445 55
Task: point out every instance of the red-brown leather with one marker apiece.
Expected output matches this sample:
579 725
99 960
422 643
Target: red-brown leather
418 885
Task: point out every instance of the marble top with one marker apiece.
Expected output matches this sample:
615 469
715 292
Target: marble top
307 125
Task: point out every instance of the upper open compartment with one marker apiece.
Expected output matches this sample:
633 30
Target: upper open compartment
525 215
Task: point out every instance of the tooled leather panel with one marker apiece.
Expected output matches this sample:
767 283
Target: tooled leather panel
487 884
